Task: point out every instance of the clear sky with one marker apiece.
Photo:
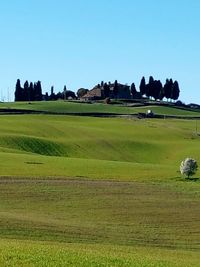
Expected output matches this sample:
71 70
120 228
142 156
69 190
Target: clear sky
81 42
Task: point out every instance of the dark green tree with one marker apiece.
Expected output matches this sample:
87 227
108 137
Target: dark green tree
150 87
106 89
143 86
65 92
133 90
175 91
81 92
31 92
168 87
18 91
162 94
70 94
157 88
37 91
26 91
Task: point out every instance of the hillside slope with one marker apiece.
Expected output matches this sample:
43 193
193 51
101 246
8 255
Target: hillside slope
109 145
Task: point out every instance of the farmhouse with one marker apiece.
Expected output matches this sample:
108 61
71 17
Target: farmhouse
98 92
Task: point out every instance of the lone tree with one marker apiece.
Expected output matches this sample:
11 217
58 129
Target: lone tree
188 167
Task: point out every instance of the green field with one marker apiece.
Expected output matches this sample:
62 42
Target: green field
77 107
83 191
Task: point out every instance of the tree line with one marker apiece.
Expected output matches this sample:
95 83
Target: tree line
30 92
155 89
33 92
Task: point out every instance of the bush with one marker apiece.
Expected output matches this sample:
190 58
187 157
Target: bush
188 167
107 100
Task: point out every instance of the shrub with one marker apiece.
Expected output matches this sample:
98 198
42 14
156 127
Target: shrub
188 167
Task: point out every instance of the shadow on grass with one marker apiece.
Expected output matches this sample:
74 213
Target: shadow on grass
182 179
192 179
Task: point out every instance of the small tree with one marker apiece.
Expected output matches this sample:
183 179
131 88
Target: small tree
188 167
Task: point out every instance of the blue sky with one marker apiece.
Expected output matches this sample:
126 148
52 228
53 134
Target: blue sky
81 42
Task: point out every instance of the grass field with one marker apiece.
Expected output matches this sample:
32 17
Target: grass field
95 148
88 223
77 107
82 191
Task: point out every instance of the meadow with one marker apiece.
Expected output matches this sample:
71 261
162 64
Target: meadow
83 191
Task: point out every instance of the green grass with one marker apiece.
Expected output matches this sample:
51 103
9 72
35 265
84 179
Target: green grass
97 224
40 145
71 107
83 191
45 254
86 211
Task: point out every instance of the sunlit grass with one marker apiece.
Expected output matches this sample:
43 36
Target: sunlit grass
71 107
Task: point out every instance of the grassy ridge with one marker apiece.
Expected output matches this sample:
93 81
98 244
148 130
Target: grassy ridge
71 107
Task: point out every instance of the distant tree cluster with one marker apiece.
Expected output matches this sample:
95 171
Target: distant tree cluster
153 89
114 90
65 94
33 92
30 92
156 90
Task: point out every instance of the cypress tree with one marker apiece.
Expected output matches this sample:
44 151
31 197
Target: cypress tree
168 87
65 92
162 94
115 89
143 86
26 91
150 87
133 90
106 89
37 91
175 91
18 91
157 89
31 92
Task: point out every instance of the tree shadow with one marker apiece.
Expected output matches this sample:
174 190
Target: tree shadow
192 179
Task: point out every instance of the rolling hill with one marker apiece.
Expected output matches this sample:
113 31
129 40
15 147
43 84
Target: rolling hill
86 191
